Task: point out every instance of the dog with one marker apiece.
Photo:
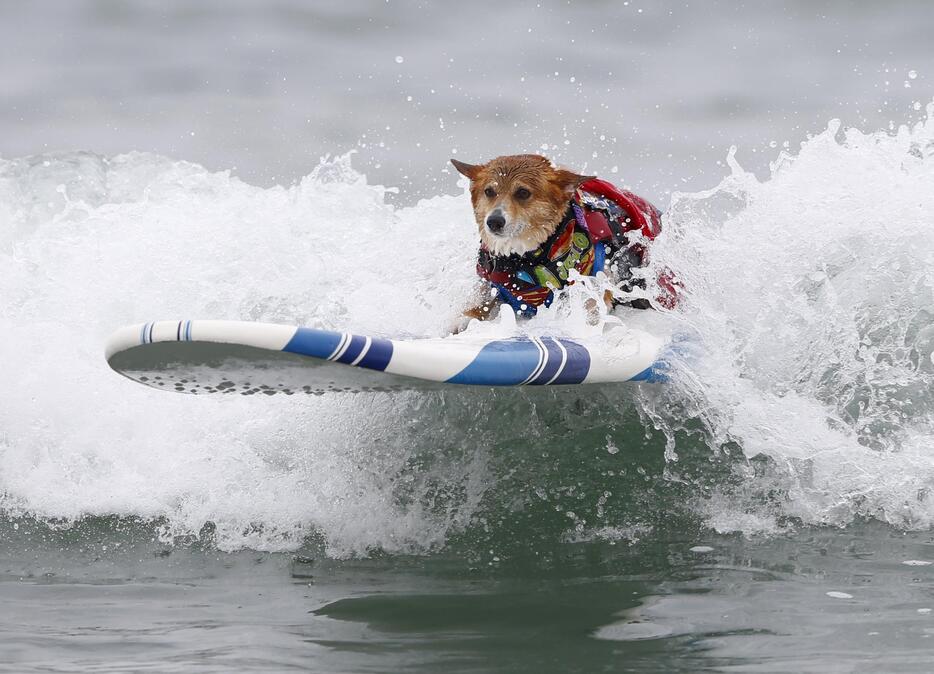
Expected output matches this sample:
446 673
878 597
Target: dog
538 222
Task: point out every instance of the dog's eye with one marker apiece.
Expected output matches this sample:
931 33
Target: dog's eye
489 192
522 193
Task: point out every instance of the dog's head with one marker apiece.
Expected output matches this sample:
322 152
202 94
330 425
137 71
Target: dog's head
518 200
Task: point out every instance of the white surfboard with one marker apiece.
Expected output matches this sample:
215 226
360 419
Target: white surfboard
239 357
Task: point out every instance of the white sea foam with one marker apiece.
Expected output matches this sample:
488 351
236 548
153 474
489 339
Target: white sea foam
810 293
813 295
88 244
839 595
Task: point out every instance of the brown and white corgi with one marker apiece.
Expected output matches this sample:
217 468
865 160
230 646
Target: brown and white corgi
538 222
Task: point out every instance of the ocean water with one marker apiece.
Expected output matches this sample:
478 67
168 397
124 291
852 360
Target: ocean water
770 509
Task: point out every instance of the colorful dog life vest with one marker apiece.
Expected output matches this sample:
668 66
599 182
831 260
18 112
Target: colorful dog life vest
592 232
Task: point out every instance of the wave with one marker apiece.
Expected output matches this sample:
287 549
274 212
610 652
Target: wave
809 293
812 293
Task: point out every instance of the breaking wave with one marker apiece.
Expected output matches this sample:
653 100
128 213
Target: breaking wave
807 397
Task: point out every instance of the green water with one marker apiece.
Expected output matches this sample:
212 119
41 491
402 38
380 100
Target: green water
105 596
589 552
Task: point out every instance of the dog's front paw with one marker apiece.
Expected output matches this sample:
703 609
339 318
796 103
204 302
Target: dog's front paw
592 307
481 312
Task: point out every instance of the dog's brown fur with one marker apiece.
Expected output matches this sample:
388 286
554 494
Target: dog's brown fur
537 215
531 218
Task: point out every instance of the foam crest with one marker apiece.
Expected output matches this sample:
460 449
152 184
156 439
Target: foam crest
88 244
811 293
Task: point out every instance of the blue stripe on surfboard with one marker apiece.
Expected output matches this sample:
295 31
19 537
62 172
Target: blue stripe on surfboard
314 343
552 363
322 343
680 348
578 363
379 355
656 373
353 349
500 363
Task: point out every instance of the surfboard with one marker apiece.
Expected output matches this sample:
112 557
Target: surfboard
247 358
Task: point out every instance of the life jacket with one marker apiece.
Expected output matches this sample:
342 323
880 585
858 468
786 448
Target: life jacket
598 229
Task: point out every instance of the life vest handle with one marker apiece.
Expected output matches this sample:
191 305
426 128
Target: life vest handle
645 216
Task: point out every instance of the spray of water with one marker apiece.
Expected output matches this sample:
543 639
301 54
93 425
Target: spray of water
808 295
811 294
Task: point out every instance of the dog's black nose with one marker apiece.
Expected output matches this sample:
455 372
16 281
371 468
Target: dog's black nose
496 222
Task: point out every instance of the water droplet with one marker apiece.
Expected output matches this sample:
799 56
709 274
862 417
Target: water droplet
399 59
912 74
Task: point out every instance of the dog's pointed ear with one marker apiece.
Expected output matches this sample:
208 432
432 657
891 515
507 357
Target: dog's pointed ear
570 181
468 170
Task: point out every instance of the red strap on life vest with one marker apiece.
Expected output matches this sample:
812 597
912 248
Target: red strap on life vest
644 216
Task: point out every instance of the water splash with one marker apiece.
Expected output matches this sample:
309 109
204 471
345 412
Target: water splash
89 243
812 293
